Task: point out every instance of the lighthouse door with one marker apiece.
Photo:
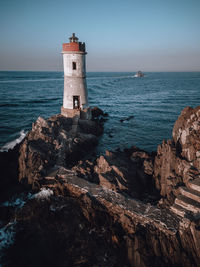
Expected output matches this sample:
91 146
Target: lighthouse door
76 102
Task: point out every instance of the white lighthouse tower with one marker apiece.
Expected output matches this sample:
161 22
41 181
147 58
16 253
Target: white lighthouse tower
75 98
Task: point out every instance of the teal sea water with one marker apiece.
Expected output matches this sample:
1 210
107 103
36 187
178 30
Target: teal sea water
155 101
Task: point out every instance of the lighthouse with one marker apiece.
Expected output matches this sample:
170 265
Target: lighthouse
75 97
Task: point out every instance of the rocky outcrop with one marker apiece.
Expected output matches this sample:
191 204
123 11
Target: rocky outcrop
113 182
81 223
61 141
102 211
129 171
64 231
56 141
153 236
177 164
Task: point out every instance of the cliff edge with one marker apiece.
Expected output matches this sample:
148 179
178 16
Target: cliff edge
124 208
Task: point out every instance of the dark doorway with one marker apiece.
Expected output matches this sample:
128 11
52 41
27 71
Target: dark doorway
76 102
74 65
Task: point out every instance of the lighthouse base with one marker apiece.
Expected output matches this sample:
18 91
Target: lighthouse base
84 114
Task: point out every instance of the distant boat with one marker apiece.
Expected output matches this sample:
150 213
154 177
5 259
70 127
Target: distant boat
139 74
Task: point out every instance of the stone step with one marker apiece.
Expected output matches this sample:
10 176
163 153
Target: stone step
190 193
188 203
194 184
178 210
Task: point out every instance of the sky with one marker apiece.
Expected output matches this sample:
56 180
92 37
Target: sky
120 35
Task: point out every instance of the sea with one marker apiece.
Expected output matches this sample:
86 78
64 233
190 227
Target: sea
141 111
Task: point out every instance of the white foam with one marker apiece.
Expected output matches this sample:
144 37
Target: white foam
43 194
12 144
17 202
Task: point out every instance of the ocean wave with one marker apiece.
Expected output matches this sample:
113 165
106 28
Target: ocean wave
18 80
34 101
39 101
12 144
96 87
9 105
17 201
32 80
109 77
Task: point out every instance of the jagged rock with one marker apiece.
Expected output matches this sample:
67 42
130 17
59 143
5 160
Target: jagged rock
55 141
96 112
186 135
177 161
98 115
100 211
128 171
65 232
91 127
105 229
85 170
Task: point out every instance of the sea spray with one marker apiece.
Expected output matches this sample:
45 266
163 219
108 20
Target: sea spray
43 194
12 144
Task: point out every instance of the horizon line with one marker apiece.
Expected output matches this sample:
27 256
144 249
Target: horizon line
101 71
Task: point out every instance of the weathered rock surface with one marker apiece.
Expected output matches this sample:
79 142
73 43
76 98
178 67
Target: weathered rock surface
129 172
102 211
64 231
84 224
56 141
178 160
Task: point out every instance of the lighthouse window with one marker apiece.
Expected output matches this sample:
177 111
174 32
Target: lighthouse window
74 65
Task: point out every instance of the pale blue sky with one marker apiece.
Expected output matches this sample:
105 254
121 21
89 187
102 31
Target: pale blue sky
126 35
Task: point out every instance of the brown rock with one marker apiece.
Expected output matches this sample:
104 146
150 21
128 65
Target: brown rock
96 112
56 141
102 223
177 161
97 213
127 172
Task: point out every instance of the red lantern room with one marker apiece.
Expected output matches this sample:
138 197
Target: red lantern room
73 45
